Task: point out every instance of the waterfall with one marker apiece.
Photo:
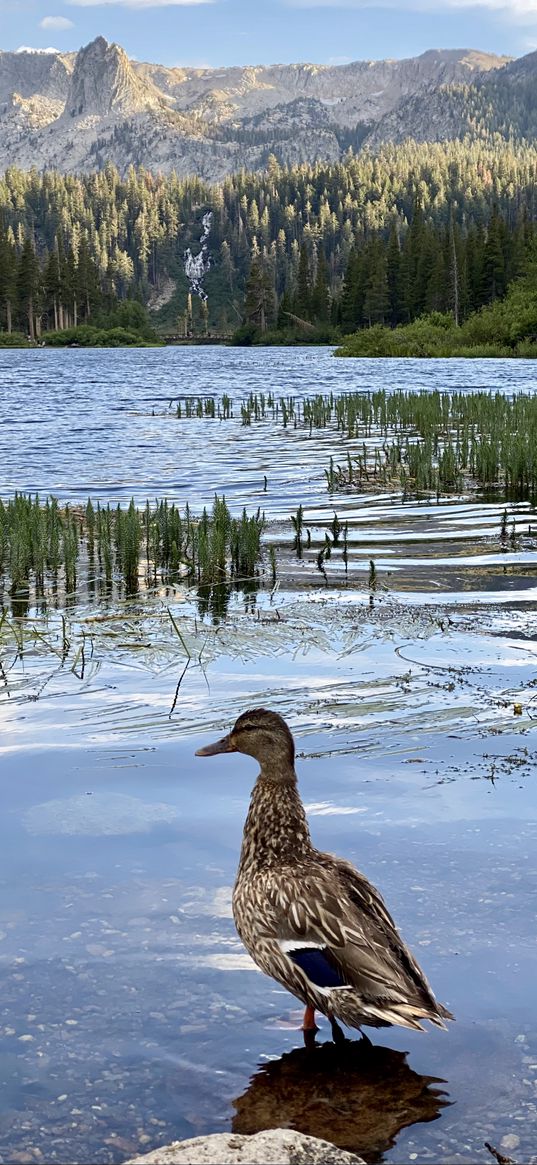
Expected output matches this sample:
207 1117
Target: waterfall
197 266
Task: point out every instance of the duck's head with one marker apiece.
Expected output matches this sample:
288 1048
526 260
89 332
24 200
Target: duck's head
261 734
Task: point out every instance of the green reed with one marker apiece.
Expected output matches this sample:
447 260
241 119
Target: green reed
297 522
45 544
431 441
434 441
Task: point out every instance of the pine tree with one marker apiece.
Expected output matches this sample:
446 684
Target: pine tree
437 289
393 276
87 289
52 288
353 295
28 287
320 298
259 303
377 295
494 274
424 269
411 292
303 291
8 279
457 273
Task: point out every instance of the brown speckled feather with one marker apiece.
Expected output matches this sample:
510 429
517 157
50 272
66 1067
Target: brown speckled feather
292 900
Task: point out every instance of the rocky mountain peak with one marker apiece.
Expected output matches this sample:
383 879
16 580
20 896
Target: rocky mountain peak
104 82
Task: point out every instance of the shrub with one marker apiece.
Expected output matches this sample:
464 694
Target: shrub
13 340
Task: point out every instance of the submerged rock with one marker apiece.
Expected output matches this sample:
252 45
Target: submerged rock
97 814
274 1147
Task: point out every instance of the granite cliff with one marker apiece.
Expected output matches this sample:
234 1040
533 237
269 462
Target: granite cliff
76 111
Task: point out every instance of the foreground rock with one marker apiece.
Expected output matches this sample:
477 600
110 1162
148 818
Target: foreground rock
275 1147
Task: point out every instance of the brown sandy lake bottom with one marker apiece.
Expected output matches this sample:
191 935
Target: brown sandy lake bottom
130 1014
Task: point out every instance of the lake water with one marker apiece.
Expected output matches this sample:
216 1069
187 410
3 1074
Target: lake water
130 1013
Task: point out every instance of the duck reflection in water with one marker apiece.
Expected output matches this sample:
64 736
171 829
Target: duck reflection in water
355 1095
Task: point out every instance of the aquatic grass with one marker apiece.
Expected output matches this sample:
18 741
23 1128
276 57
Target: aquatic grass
45 544
372 578
273 568
345 550
335 527
372 582
431 441
297 522
439 442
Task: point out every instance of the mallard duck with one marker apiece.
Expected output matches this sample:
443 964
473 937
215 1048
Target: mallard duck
307 918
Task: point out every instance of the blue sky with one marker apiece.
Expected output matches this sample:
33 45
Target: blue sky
227 32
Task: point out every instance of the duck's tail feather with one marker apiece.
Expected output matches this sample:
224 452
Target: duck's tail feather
398 1014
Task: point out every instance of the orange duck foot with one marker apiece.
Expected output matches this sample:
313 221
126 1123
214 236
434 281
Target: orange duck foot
309 1024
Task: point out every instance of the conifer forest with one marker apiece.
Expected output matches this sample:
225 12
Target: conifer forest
309 253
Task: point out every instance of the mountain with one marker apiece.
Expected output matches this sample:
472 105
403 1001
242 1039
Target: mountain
105 84
74 112
501 104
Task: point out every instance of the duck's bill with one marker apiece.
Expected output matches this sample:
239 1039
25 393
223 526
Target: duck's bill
223 745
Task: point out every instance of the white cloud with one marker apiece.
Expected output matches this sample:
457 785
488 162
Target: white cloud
60 23
138 3
524 11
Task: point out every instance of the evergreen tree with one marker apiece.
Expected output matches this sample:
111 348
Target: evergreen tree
259 303
8 280
87 289
28 287
377 296
456 270
494 268
437 289
411 292
320 298
303 291
393 276
353 295
52 289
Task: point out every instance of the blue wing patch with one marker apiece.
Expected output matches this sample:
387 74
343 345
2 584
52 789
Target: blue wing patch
317 965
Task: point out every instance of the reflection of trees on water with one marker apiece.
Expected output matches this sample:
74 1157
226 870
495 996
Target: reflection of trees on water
357 1096
213 599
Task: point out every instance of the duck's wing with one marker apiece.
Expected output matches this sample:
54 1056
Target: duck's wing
369 904
333 925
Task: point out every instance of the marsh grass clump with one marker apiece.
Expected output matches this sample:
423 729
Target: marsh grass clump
128 536
437 442
199 406
46 545
36 540
225 555
418 441
432 441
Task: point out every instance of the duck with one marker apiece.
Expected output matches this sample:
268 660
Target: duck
309 919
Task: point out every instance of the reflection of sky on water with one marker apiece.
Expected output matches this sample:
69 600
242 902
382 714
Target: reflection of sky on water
144 917
93 428
324 663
